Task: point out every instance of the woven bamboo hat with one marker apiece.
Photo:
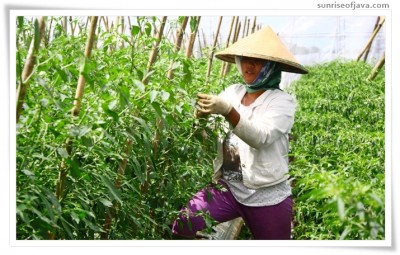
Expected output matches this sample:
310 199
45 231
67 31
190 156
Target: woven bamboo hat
263 44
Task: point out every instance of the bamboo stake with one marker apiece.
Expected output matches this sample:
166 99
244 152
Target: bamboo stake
227 67
372 37
244 27
122 31
154 51
71 26
105 19
129 23
115 30
87 22
367 51
211 56
184 40
377 67
200 47
62 174
192 39
247 28
80 28
237 29
29 64
224 64
152 58
204 38
253 27
47 38
77 103
81 82
178 44
64 25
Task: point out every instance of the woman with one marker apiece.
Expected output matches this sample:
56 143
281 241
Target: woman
252 162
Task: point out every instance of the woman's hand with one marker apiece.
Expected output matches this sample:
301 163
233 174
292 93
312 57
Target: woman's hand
209 104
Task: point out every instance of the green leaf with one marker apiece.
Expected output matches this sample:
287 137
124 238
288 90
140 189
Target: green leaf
62 74
28 173
123 96
153 95
341 208
93 226
175 65
20 20
106 202
114 192
147 28
143 125
75 217
193 23
138 169
139 84
109 112
157 108
74 168
66 227
135 30
112 105
165 96
79 131
62 152
87 141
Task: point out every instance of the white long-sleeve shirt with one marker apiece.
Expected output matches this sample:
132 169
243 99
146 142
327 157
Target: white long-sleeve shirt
263 130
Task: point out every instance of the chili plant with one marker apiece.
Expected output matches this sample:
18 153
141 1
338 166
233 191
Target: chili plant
339 153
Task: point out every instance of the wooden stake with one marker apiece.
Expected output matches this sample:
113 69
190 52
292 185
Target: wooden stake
244 27
65 25
211 56
235 38
372 37
178 43
192 39
367 51
62 174
77 103
237 29
81 81
154 51
71 26
377 67
29 64
247 28
225 64
253 27
200 47
47 38
204 38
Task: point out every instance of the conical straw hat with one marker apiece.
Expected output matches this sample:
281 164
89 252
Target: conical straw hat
263 44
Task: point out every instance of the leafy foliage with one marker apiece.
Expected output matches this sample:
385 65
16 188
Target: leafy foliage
339 152
171 153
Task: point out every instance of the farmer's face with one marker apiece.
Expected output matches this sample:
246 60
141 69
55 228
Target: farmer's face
250 68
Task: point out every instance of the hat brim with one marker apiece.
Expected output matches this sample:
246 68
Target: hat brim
286 66
263 44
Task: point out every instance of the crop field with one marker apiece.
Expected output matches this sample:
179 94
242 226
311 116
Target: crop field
108 146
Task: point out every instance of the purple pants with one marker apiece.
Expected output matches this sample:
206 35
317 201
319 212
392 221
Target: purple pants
265 222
